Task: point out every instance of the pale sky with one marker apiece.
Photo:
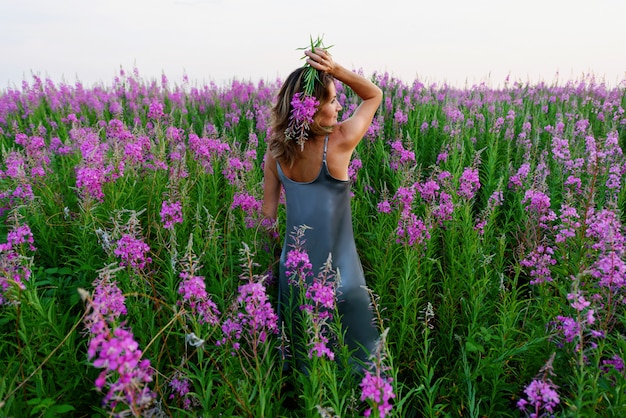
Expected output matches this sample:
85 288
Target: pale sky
461 42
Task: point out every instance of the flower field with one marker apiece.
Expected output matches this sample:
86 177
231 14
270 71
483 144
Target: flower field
137 276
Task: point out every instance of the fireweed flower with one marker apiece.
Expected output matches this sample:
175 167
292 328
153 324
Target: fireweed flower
251 316
180 388
541 395
193 290
515 181
443 210
237 168
428 190
298 265
353 169
303 108
376 388
255 318
384 207
538 204
132 251
616 363
250 205
400 156
15 265
539 261
171 213
469 183
304 104
207 149
114 349
569 223
319 304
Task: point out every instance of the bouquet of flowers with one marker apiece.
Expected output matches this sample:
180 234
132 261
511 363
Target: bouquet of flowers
304 104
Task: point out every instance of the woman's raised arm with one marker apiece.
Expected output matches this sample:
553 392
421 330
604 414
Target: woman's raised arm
353 128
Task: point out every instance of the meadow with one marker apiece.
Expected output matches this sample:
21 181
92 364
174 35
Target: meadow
138 278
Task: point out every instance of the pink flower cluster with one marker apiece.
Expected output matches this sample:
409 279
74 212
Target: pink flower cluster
180 388
114 349
376 387
469 183
378 390
319 305
400 157
250 205
132 251
193 290
252 317
303 108
539 261
171 214
541 398
14 268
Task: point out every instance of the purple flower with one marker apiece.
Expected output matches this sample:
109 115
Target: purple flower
303 108
400 156
193 290
540 396
379 391
298 266
132 251
469 183
428 190
90 181
538 204
171 213
250 205
539 261
180 388
411 230
251 317
515 181
384 207
444 209
115 350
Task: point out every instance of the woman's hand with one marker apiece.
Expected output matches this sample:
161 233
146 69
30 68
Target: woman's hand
321 60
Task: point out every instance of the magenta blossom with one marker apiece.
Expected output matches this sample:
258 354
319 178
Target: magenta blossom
303 108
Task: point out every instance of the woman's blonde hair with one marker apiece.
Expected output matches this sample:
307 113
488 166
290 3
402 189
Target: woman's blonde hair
284 151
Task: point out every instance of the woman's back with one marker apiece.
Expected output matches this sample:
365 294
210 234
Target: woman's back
308 162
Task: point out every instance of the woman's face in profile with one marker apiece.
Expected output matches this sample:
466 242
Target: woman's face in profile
329 111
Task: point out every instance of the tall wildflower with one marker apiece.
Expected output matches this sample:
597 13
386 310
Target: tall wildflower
469 183
192 288
376 387
319 304
130 247
15 260
318 295
303 108
93 171
17 188
125 375
207 149
400 157
541 396
171 214
251 318
250 205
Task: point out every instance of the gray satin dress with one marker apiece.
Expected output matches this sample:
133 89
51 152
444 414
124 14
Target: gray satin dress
324 205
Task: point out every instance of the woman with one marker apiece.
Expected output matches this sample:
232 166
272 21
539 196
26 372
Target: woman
314 175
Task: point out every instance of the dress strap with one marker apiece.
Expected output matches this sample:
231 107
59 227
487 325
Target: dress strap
325 147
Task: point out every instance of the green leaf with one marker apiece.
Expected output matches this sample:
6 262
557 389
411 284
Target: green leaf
473 347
